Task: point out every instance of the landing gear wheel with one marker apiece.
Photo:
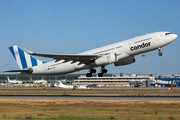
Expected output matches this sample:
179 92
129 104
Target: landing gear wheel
90 72
160 53
89 75
103 70
100 74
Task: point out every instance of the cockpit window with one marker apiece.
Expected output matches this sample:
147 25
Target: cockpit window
168 33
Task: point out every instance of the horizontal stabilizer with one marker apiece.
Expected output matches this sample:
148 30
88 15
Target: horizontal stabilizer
26 71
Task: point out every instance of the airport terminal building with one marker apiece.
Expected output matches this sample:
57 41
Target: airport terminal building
112 80
29 78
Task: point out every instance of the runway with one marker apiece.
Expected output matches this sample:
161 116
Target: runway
88 97
106 88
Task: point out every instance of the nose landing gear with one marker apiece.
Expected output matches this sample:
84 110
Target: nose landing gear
160 53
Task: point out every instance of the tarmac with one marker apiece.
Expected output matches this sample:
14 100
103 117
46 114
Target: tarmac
88 97
93 97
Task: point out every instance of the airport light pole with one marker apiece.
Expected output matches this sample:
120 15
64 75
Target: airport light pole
144 65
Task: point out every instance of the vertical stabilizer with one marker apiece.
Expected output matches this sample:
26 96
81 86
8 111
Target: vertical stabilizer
8 79
61 84
23 59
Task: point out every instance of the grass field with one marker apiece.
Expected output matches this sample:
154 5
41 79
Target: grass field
88 110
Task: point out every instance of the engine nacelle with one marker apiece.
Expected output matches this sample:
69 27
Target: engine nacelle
126 61
106 59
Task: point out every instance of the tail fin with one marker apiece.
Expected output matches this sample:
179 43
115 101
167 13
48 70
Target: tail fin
60 83
8 79
23 59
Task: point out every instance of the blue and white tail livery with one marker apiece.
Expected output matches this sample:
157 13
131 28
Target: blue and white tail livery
23 59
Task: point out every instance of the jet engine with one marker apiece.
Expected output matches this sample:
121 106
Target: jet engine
106 59
126 61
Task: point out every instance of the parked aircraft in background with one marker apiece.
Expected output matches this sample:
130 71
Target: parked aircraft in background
63 81
81 87
40 81
61 85
121 53
136 83
14 81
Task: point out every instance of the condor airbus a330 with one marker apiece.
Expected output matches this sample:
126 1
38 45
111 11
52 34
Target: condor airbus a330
121 53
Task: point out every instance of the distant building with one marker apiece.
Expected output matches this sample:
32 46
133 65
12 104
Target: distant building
112 80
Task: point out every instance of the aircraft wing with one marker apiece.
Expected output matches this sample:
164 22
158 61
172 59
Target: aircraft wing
67 57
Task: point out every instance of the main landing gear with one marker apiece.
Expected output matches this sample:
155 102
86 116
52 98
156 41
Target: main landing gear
103 70
160 53
90 72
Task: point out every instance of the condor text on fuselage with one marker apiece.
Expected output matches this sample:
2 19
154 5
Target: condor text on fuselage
140 46
120 53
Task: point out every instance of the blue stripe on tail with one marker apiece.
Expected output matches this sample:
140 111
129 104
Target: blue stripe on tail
12 51
33 61
23 59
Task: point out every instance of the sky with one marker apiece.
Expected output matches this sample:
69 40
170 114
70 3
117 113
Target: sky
75 26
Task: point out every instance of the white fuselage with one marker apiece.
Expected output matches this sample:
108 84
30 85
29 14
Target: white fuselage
40 81
124 49
15 82
61 85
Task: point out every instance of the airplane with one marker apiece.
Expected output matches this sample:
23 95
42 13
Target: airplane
2 84
82 87
71 86
40 81
120 53
136 83
14 81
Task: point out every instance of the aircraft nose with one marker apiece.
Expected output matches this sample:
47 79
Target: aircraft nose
174 36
